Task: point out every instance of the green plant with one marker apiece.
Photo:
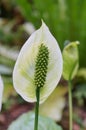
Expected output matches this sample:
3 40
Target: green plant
66 19
35 76
26 122
70 67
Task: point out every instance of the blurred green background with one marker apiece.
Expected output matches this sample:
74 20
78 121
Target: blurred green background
65 18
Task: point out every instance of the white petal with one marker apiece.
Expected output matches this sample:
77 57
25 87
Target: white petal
23 74
1 91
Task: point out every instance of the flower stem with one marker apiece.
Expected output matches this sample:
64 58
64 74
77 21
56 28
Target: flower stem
70 105
37 108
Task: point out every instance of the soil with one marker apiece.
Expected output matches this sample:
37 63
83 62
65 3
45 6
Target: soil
8 116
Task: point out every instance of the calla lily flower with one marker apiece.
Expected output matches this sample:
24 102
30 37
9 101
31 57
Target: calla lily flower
39 64
1 91
70 60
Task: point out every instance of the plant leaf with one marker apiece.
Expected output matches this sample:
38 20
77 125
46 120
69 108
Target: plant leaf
26 122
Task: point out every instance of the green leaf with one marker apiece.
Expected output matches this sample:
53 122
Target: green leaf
70 60
26 122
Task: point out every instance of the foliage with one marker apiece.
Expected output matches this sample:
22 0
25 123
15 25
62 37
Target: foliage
80 93
79 121
81 75
65 18
26 122
7 60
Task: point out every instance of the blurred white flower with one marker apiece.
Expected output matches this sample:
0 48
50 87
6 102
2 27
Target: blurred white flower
39 64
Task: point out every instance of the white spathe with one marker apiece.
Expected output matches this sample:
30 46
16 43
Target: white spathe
23 74
1 92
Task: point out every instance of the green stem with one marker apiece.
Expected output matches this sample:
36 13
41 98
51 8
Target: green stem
37 108
70 105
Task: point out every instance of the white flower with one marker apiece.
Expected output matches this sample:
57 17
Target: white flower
70 60
1 91
27 67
